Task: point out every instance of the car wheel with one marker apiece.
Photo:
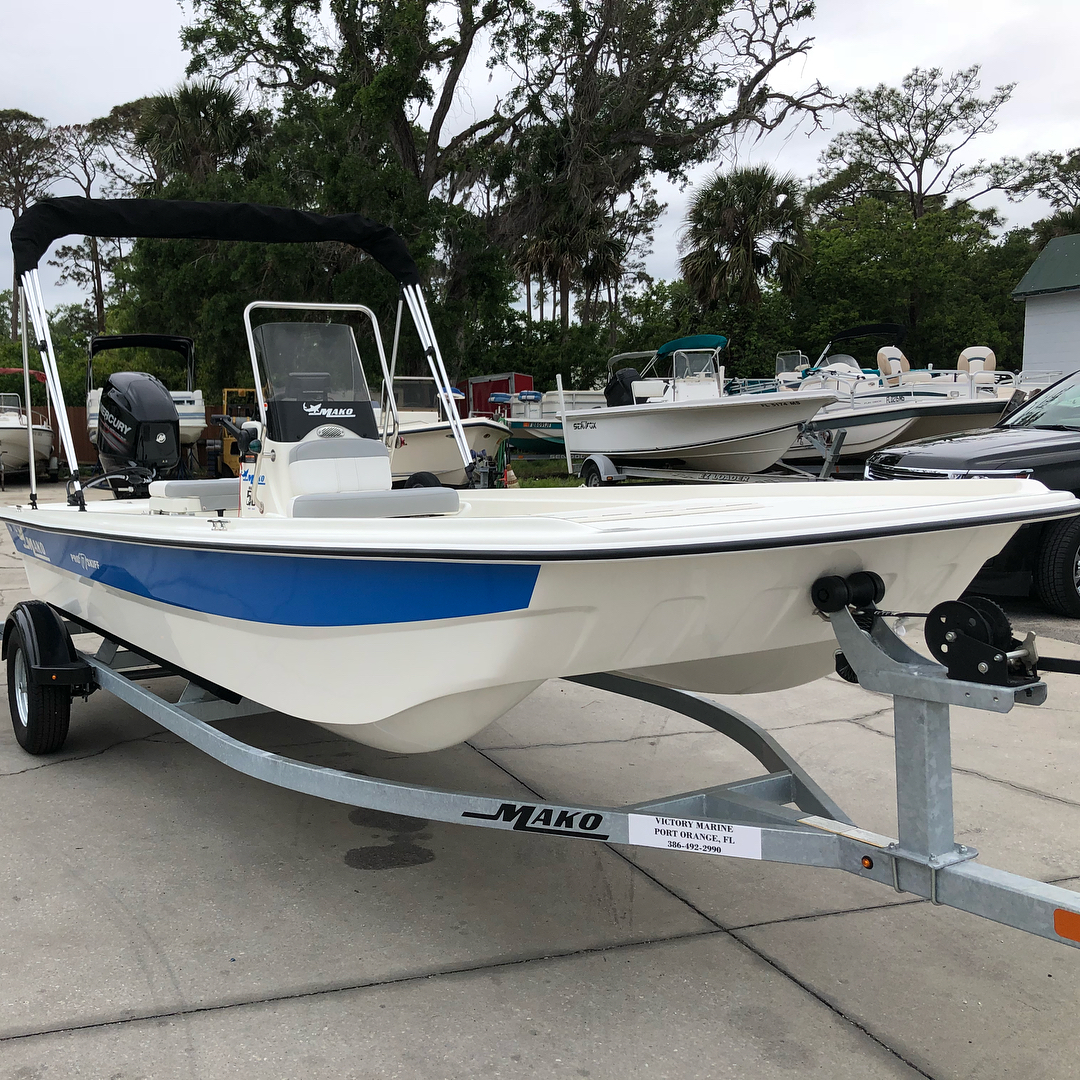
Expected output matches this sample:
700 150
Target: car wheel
1057 568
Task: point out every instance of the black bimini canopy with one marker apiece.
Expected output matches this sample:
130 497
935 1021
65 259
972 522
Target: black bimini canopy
173 342
170 219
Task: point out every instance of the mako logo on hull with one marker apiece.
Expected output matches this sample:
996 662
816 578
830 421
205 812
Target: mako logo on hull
521 817
29 544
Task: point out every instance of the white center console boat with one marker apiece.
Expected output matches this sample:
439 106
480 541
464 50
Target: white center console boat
409 619
676 413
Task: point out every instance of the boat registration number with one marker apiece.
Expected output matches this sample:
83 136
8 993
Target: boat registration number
690 834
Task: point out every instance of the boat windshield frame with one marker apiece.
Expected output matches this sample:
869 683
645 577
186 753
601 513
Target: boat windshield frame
350 420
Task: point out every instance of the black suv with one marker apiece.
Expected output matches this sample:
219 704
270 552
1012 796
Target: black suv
1040 440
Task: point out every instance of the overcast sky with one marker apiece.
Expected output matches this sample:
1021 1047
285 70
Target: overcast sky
72 60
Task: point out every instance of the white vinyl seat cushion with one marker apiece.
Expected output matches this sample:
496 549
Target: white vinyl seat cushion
221 494
324 466
400 502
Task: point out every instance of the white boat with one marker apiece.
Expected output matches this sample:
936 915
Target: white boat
409 619
425 442
877 407
189 402
675 412
14 444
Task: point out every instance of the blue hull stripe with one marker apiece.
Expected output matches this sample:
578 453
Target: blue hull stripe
288 590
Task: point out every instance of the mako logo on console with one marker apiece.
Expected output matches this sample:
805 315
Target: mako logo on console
318 409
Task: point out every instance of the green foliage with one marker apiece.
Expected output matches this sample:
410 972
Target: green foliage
910 140
745 226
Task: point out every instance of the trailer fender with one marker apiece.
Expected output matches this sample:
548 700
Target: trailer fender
601 468
50 651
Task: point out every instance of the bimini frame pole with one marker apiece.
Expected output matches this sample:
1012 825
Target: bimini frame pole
24 330
39 319
414 298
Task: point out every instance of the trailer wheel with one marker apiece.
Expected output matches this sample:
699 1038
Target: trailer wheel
1057 568
590 475
423 479
39 714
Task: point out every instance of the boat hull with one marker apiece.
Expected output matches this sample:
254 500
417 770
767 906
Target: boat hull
474 632
15 450
736 434
536 436
926 420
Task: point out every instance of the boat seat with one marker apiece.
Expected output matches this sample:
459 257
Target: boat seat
212 494
395 503
323 466
977 358
892 362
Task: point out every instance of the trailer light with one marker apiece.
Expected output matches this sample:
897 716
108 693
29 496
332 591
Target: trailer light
868 863
1067 924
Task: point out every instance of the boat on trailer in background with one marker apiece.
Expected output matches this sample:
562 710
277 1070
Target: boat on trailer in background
425 443
190 408
675 413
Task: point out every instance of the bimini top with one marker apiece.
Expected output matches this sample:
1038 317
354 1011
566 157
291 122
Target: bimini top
170 219
695 341
171 342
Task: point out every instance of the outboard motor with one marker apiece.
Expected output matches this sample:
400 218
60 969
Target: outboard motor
618 390
138 429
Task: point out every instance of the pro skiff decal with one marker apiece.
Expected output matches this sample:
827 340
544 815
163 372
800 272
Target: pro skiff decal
287 590
559 821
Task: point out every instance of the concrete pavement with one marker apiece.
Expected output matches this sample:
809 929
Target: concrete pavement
162 916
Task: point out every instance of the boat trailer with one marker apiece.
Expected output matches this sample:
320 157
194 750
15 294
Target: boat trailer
781 815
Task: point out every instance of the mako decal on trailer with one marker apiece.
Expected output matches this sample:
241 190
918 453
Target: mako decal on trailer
561 821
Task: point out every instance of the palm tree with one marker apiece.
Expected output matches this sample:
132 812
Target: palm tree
744 227
196 129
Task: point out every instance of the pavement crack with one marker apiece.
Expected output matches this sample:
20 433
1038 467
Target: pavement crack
1017 787
702 730
342 988
832 1006
617 852
80 757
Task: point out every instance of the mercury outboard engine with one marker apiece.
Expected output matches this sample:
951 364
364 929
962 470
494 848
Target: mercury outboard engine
138 433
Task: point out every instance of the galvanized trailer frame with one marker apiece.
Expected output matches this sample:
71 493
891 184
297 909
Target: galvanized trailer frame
779 816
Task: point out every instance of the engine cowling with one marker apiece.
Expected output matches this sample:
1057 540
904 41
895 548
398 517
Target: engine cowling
138 426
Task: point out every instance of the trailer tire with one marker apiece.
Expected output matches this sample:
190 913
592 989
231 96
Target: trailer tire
40 715
1057 567
423 479
590 475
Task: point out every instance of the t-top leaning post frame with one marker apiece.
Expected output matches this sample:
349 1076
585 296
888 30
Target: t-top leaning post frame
24 334
31 301
414 299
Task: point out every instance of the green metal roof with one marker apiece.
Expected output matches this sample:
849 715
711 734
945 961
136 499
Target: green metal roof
1057 269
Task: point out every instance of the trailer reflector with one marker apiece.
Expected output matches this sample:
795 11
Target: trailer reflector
1067 924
